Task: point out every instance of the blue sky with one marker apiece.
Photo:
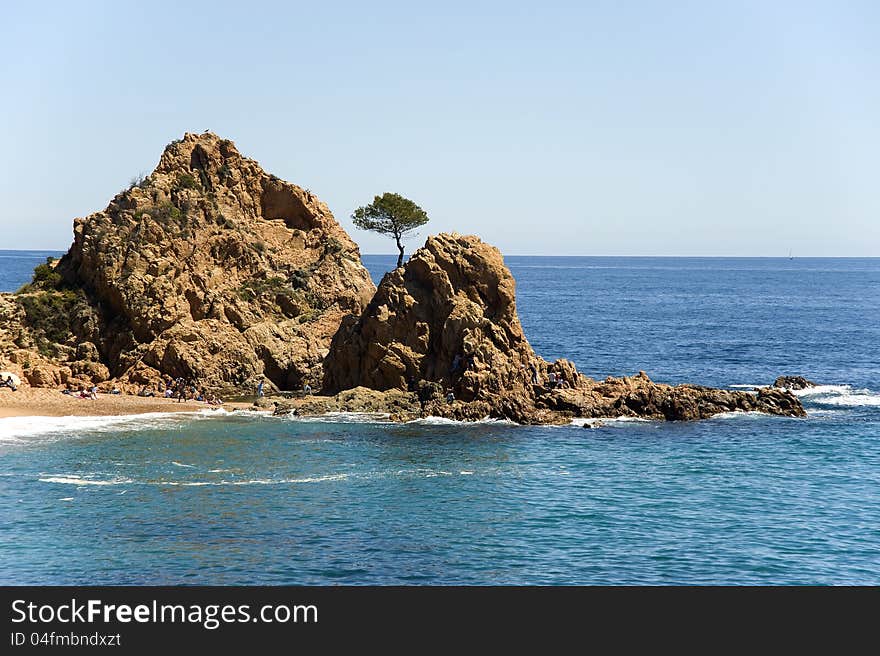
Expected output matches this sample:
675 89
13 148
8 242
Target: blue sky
582 128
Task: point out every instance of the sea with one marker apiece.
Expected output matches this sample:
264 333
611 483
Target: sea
245 498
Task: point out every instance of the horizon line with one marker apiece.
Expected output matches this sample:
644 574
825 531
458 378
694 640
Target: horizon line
729 257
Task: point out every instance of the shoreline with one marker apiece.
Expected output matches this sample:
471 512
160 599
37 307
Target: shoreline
42 402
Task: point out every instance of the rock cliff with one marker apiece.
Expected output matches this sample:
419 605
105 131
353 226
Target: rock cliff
445 328
448 317
208 269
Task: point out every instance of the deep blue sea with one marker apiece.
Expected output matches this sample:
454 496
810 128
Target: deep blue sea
742 499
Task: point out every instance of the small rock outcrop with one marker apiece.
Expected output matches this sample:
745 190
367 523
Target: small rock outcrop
793 383
209 269
639 396
444 327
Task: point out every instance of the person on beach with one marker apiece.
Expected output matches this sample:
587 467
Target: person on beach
534 370
93 393
8 382
307 389
260 389
181 393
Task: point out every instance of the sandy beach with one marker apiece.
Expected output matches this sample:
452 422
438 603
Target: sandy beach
37 402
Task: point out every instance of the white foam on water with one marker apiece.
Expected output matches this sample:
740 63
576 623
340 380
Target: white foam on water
13 428
434 474
180 464
822 389
465 472
245 412
444 421
739 414
258 481
66 499
838 395
587 421
606 421
73 479
341 418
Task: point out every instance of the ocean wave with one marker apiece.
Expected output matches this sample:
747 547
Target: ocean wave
822 389
73 479
257 481
838 396
739 414
14 428
96 479
604 421
341 418
445 421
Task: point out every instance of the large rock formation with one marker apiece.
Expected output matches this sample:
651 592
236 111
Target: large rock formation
209 269
212 270
448 316
446 323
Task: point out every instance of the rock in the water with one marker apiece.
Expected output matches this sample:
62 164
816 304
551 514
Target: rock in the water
216 272
209 269
445 327
793 382
447 318
399 405
639 396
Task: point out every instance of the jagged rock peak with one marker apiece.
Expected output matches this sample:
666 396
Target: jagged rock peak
212 269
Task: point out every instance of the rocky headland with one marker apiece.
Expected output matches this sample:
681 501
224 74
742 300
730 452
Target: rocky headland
213 271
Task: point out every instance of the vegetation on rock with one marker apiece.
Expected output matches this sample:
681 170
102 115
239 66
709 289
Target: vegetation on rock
391 214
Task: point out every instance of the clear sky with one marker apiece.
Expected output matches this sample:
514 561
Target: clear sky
745 127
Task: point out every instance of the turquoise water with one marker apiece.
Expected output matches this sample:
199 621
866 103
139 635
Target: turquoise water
219 498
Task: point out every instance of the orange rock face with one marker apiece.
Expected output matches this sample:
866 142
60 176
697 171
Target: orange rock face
210 269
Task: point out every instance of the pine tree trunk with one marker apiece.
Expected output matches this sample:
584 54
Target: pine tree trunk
399 257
